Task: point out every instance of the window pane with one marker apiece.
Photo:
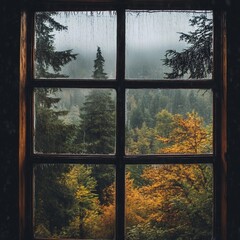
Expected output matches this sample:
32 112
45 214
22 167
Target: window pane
72 120
73 201
163 121
169 44
75 45
169 202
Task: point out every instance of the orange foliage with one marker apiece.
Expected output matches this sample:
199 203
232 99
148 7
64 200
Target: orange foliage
189 136
173 185
169 197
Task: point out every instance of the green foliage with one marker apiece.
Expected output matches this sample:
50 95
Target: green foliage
81 183
50 131
196 61
144 105
136 118
53 200
179 103
143 231
164 123
98 122
98 132
141 140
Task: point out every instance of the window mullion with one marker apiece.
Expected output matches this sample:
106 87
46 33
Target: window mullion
120 142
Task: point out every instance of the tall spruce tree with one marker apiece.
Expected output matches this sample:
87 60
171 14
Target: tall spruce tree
98 126
98 117
98 72
98 122
196 61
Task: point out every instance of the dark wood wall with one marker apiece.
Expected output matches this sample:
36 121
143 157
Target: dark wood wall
233 117
9 92
10 12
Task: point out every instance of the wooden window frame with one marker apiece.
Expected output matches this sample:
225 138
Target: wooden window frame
27 83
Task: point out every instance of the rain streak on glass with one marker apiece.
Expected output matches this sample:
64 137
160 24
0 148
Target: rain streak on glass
169 44
67 43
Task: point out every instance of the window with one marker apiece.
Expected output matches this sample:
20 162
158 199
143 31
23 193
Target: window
122 122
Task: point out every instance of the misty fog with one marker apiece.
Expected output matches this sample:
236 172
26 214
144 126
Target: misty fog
148 35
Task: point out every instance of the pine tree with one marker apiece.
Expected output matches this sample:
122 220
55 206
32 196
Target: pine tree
98 127
52 199
98 117
195 61
98 72
98 122
46 55
50 131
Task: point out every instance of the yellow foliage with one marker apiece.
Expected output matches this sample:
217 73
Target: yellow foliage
188 136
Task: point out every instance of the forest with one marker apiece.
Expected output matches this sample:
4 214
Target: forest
165 201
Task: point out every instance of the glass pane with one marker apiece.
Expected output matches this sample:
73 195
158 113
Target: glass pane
74 120
73 201
164 121
169 44
75 45
169 202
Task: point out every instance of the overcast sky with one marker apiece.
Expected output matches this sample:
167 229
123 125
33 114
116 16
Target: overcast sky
148 33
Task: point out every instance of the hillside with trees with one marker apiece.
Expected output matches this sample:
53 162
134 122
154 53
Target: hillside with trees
162 201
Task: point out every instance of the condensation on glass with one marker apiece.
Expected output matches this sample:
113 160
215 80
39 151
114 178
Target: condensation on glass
169 201
157 42
80 34
75 201
76 121
169 121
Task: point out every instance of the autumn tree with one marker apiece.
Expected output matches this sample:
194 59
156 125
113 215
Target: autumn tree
182 198
175 202
174 195
136 213
86 208
189 135
75 211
